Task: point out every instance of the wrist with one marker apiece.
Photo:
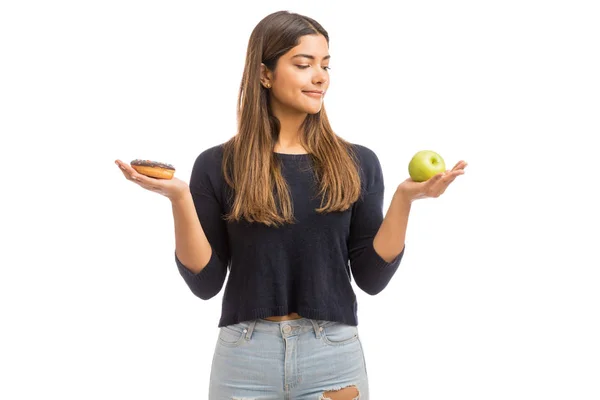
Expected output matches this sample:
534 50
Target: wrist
403 194
181 196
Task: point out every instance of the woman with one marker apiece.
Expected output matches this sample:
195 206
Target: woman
292 211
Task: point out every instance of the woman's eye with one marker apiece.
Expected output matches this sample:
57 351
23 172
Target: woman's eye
306 66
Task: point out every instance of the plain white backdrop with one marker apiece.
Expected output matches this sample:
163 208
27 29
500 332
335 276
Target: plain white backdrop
497 295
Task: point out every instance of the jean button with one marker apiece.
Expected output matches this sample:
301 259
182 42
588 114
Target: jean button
287 329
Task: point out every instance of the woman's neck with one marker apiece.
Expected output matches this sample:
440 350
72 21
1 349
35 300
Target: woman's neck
290 130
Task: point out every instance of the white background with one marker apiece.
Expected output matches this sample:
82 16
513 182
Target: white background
497 296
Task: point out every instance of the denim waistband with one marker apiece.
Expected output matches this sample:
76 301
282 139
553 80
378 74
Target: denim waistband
284 328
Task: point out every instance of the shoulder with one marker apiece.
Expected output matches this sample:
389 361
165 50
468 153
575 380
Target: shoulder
365 156
369 167
207 167
210 156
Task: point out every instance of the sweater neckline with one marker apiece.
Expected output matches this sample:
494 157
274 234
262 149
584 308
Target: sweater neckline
289 155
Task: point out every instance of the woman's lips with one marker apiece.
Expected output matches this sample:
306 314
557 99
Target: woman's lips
315 94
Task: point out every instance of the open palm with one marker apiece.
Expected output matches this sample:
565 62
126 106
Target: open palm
434 186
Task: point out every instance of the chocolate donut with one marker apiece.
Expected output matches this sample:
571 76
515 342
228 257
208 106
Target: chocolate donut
153 169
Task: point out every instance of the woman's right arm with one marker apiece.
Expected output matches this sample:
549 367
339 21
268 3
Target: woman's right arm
202 268
201 241
191 245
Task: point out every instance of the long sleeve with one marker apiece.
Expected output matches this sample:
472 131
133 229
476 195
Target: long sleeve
371 272
205 187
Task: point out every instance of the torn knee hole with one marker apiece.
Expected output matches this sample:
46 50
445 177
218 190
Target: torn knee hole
347 393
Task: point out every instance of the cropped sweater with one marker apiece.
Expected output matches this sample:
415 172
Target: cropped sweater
305 267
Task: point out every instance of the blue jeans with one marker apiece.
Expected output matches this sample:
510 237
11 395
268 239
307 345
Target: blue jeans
289 360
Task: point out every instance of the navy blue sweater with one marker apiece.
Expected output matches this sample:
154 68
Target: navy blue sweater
304 267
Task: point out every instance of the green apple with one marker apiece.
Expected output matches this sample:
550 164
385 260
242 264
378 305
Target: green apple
425 164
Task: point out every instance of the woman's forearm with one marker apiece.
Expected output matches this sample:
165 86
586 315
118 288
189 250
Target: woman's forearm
389 240
191 245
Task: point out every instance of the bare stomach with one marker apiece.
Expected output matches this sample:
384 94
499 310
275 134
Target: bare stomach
284 317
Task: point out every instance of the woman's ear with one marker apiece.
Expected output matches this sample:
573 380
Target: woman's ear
266 76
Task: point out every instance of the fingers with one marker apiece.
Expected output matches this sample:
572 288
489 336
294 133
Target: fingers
146 182
459 165
450 176
125 169
438 184
457 170
130 173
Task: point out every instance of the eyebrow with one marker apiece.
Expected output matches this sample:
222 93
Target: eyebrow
327 57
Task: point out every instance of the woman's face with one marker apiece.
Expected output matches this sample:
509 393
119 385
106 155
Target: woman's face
301 77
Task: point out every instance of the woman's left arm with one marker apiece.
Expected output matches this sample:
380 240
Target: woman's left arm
389 240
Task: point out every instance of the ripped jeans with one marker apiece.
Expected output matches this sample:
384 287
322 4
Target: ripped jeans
297 359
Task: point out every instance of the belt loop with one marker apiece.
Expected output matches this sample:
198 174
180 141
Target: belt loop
250 329
317 328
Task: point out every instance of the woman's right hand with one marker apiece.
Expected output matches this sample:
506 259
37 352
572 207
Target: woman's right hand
173 188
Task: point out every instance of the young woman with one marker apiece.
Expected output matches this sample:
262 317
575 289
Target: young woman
292 211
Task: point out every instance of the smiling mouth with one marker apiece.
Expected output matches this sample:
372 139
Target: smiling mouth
314 94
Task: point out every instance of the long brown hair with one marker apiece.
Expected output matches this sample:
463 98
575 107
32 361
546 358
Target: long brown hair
250 165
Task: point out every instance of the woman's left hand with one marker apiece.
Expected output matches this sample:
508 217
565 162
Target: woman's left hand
433 187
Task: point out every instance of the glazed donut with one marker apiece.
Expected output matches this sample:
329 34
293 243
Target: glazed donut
153 169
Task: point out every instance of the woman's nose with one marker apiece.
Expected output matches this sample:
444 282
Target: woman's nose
320 77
